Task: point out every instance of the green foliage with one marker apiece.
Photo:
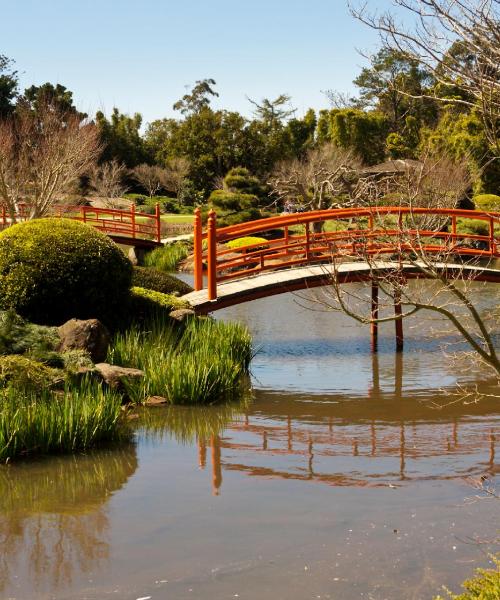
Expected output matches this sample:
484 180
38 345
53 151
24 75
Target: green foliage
121 137
159 281
24 373
8 86
364 133
487 202
473 227
203 364
484 586
247 241
234 207
57 97
240 180
167 258
198 98
146 304
461 136
392 85
53 269
43 422
17 336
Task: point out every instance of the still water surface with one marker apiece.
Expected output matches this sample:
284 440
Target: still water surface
339 479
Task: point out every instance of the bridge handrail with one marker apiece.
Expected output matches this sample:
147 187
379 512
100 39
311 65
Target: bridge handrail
310 247
112 221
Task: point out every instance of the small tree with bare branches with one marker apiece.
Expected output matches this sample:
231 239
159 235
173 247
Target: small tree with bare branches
41 155
107 180
324 178
150 177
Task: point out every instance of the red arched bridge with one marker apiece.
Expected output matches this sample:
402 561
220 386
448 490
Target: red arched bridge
128 227
296 251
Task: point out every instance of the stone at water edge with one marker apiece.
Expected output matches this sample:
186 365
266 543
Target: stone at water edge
156 401
181 314
113 375
90 335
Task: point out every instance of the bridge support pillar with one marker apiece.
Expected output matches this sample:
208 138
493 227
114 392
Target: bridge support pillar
374 316
398 313
136 255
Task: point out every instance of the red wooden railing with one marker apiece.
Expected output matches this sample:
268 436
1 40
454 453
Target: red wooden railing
358 231
121 225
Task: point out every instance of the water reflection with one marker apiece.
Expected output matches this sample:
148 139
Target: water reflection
53 520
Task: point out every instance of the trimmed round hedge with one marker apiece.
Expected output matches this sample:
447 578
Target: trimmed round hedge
52 270
154 279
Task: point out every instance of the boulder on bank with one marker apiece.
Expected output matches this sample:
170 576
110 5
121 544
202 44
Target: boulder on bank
114 376
182 314
89 335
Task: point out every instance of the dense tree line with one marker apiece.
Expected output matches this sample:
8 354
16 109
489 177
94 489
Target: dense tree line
395 115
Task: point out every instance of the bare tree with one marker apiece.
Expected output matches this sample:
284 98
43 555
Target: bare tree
41 155
411 244
107 180
175 173
323 179
457 41
150 177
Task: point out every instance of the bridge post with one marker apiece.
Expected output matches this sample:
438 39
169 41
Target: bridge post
492 236
212 255
132 218
399 320
198 251
374 316
158 222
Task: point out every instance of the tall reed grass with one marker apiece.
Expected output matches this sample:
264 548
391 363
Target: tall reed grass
33 422
205 363
168 257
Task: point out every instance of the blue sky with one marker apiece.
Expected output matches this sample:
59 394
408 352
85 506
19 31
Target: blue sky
139 55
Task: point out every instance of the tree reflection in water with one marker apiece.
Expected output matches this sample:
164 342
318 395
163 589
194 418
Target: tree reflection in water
53 515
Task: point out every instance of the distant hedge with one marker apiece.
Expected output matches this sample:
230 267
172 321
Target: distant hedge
488 202
55 269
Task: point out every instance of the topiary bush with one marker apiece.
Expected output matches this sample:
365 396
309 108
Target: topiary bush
248 241
54 269
154 279
487 202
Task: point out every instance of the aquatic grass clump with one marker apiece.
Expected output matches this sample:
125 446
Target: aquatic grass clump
204 363
45 422
168 257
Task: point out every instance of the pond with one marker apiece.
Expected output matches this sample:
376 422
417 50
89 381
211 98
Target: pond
338 477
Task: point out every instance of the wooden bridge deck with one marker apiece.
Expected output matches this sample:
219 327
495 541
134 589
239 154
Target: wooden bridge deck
270 283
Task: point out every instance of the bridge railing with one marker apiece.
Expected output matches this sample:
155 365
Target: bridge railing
117 223
302 238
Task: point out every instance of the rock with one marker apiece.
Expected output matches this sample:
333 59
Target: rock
136 256
114 376
156 401
181 314
90 335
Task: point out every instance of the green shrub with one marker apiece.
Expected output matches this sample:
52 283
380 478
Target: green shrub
17 336
54 269
167 258
487 202
22 372
247 241
43 422
473 227
484 586
145 305
154 279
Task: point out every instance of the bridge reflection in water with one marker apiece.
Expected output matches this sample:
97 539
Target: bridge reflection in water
379 440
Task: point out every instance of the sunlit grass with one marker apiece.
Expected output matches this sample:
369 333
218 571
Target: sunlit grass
43 422
204 364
